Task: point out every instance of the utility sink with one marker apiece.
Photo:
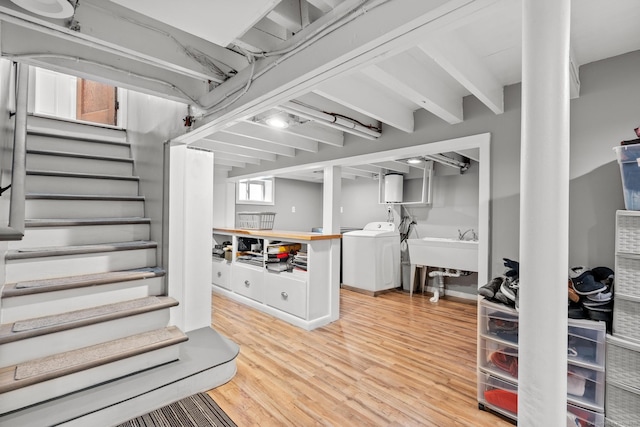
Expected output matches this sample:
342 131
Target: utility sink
444 253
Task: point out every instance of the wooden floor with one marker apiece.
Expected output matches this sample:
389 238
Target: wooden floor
391 360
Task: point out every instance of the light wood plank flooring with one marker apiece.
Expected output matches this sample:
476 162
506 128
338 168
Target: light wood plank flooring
389 361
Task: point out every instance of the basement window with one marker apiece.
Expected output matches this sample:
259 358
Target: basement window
255 191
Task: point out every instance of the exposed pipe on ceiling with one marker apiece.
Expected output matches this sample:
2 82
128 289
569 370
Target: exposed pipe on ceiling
448 161
330 120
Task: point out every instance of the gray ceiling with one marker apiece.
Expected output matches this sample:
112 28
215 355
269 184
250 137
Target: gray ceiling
335 67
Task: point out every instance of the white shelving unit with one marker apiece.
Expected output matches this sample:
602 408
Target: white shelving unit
307 299
498 372
622 402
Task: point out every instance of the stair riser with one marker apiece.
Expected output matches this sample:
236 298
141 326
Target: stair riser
57 302
43 208
77 130
40 237
80 186
44 162
40 142
60 386
71 265
17 352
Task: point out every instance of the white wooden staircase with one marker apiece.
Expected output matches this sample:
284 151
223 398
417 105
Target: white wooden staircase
85 337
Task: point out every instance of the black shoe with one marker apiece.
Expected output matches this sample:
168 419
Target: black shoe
489 290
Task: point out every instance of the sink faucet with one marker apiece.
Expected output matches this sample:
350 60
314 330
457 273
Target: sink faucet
462 235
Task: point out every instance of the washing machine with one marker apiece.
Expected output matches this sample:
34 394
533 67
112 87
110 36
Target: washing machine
371 257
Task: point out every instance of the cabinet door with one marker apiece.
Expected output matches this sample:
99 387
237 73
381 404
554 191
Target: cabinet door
220 274
287 293
248 281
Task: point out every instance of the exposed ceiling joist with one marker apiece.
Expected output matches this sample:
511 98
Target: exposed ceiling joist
368 168
358 172
361 96
423 88
237 158
219 160
466 67
220 147
266 36
240 141
287 14
317 132
394 166
265 133
387 28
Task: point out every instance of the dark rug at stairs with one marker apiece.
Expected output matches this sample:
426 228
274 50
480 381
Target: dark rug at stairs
198 410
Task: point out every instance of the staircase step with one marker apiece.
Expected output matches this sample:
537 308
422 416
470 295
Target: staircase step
50 296
42 205
75 129
43 141
51 182
207 360
43 336
49 232
54 376
39 263
62 283
64 161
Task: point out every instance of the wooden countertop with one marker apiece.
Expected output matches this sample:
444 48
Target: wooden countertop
280 234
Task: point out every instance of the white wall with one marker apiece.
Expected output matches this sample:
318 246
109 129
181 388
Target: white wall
306 197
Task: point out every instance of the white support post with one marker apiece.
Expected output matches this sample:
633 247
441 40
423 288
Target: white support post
544 214
190 236
331 198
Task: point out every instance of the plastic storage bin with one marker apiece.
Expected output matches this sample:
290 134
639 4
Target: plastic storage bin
256 220
623 405
628 156
623 362
626 317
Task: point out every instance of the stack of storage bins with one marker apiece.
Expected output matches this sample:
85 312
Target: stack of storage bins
623 347
498 369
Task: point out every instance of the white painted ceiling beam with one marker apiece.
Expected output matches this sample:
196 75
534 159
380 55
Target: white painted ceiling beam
287 15
220 147
368 168
217 160
241 141
394 166
361 96
455 57
324 5
221 168
404 75
265 36
265 133
358 172
237 158
309 177
315 131
384 30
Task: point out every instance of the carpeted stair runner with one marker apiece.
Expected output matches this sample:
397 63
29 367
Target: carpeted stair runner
72 282
58 365
78 250
74 319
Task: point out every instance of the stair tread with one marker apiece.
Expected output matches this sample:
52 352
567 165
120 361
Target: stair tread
36 326
69 222
80 155
80 281
55 196
82 175
25 253
61 364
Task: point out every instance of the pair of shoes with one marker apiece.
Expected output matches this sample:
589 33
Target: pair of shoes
489 290
601 297
506 362
510 289
583 282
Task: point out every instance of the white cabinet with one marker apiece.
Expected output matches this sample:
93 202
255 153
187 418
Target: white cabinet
304 291
221 273
287 292
498 364
248 280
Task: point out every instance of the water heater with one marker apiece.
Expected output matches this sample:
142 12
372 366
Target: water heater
393 188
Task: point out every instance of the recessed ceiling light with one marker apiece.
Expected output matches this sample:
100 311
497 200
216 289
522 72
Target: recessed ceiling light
277 122
415 160
59 9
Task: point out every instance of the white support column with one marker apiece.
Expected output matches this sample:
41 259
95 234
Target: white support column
190 236
331 199
544 213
